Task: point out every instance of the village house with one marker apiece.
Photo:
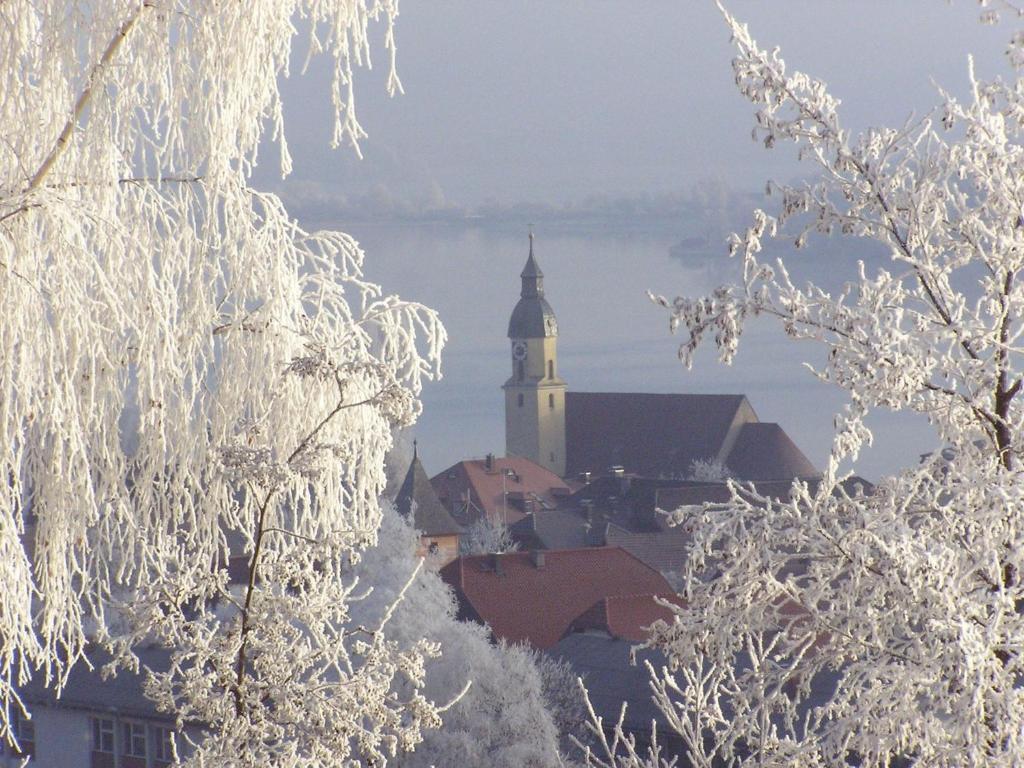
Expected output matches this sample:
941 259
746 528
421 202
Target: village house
504 490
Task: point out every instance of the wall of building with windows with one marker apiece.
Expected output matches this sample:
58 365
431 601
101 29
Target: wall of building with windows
72 738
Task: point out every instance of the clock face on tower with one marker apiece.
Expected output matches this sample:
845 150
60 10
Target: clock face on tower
519 350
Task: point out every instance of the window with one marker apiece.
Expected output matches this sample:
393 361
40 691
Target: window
552 457
519 400
102 735
163 749
551 369
520 371
103 743
551 401
25 733
134 740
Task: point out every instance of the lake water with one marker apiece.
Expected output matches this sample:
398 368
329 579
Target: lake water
611 337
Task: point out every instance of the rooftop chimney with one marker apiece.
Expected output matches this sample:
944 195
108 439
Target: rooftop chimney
489 462
537 556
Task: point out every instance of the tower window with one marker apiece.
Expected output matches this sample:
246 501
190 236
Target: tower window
519 400
552 457
551 401
551 369
520 371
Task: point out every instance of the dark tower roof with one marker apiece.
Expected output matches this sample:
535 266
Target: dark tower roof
417 500
532 317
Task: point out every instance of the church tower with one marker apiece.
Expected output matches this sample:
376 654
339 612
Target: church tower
535 395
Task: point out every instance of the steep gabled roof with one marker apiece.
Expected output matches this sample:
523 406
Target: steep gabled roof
417 497
763 451
523 601
651 435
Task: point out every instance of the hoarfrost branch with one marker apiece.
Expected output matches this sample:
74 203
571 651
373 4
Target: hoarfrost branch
838 628
191 382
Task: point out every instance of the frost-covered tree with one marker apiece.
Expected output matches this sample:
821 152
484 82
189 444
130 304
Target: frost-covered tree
837 629
485 536
516 703
708 471
190 379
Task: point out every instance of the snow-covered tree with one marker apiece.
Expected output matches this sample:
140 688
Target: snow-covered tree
485 536
838 629
188 377
516 703
708 471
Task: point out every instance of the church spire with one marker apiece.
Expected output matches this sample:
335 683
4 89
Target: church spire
533 278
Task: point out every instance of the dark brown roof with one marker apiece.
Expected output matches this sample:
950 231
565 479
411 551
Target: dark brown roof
418 497
764 451
651 435
522 601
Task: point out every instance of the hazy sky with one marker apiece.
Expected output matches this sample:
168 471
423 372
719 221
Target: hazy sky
553 100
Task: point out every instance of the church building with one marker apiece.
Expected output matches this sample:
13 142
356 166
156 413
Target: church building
574 434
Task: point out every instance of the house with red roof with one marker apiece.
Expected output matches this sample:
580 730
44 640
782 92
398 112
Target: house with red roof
502 489
535 597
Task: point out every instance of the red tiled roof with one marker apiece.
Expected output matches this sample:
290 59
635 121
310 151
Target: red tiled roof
653 435
522 602
626 617
469 488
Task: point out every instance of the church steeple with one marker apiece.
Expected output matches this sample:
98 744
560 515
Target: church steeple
535 393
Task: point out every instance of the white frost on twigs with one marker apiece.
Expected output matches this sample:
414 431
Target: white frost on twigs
190 379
